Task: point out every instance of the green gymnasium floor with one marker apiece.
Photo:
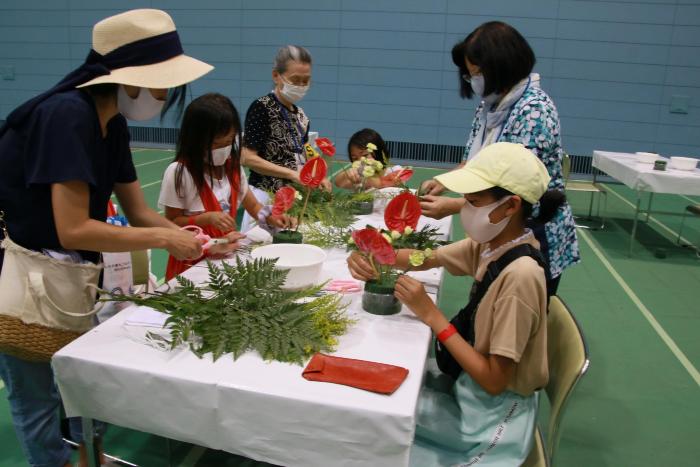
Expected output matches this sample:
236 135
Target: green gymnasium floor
639 404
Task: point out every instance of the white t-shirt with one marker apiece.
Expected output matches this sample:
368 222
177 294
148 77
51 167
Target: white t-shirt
392 168
190 200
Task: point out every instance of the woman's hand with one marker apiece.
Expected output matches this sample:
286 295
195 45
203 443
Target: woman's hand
412 294
438 207
360 268
221 220
432 187
182 244
294 177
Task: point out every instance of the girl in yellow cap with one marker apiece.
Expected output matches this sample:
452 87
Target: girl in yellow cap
480 407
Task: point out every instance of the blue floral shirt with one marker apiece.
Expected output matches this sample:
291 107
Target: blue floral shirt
534 123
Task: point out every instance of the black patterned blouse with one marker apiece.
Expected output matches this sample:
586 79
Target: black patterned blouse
278 135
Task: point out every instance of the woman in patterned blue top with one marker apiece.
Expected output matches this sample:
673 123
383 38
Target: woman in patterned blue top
495 63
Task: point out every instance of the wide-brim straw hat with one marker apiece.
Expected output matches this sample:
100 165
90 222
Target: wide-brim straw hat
138 26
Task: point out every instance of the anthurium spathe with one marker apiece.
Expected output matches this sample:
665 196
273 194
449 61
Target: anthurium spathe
326 146
313 172
403 211
284 200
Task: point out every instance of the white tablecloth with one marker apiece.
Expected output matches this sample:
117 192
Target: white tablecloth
642 177
265 411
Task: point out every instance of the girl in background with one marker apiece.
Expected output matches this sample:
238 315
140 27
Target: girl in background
370 144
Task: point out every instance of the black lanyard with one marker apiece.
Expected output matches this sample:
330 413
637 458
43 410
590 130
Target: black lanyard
296 135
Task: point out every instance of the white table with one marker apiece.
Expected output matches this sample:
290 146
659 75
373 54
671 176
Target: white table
643 178
265 411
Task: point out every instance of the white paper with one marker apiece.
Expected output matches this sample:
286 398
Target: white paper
146 316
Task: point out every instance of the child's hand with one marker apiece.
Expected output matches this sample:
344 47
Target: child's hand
326 185
281 222
360 268
221 220
353 176
412 294
232 245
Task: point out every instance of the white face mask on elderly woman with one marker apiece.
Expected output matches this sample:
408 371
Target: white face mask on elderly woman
292 92
144 107
477 224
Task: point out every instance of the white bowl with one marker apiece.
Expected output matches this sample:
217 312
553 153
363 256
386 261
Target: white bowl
304 262
647 157
683 163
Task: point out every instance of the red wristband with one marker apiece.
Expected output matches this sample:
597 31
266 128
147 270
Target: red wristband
190 220
446 333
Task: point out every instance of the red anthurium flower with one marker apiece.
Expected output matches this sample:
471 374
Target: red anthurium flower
402 211
363 238
382 251
284 199
313 172
393 179
326 146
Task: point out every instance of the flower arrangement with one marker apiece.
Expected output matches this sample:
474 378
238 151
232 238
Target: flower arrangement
311 176
379 246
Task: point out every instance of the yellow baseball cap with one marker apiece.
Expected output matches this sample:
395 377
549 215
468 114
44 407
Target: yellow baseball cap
507 165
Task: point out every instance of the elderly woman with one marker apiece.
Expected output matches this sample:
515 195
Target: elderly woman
276 129
495 63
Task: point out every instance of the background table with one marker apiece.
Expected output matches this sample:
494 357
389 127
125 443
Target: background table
263 410
643 178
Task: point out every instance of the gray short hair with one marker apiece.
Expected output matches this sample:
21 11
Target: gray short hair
296 53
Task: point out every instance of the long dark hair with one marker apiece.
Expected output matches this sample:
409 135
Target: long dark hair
549 203
207 117
500 51
368 135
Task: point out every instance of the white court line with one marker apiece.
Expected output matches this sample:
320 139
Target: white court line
694 201
151 184
193 456
651 218
153 162
670 343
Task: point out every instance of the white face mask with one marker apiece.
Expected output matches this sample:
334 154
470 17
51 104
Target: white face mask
478 85
219 156
292 92
477 224
144 107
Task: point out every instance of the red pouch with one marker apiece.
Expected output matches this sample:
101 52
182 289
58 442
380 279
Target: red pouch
361 374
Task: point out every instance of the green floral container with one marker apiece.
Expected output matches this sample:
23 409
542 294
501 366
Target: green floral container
379 299
288 236
362 207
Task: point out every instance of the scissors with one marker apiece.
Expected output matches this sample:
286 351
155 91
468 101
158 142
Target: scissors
207 241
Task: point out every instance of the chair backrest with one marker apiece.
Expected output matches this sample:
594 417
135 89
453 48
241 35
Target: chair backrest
568 361
566 167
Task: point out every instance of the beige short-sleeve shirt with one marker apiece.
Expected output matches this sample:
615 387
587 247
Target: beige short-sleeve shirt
511 319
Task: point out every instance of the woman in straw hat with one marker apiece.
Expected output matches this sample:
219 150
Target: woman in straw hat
62 154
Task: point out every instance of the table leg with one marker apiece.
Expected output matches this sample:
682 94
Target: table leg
636 219
651 197
93 457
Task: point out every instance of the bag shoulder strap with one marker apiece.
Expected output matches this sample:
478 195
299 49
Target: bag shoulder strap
467 316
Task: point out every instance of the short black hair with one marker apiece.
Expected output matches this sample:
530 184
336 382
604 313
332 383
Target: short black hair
500 51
